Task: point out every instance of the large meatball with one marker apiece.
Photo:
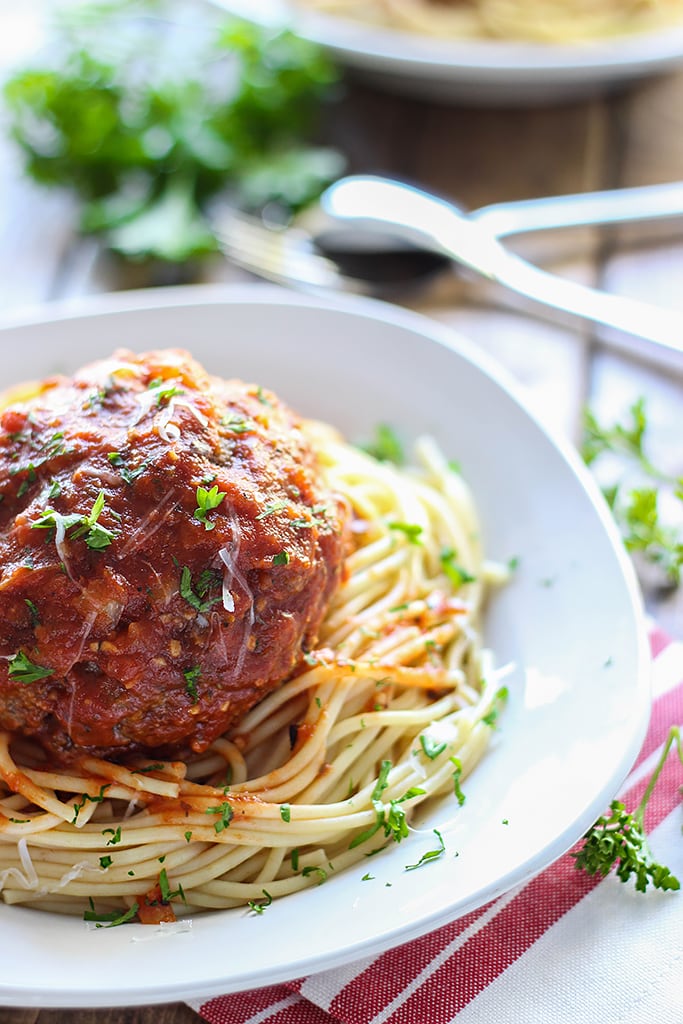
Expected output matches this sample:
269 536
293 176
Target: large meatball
167 552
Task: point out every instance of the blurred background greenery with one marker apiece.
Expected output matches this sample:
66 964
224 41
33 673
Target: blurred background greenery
147 110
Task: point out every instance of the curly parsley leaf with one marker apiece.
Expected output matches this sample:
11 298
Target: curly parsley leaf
207 500
637 495
619 838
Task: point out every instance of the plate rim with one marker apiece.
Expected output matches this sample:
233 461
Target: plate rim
490 61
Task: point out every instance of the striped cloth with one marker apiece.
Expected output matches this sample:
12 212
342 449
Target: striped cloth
564 948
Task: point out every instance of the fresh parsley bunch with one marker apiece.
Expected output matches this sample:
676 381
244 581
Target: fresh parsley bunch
147 109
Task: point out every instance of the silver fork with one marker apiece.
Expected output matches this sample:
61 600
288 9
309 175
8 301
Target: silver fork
288 256
285 255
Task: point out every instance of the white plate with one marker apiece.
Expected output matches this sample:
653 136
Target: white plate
570 622
477 71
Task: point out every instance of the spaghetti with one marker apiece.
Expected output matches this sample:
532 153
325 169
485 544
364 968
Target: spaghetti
564 21
393 708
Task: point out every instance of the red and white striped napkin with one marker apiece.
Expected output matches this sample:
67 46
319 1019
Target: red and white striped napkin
564 947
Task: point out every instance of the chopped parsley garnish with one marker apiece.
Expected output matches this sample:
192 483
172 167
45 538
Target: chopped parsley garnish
272 508
112 918
392 818
226 812
313 869
431 748
500 698
115 835
33 612
282 558
236 424
411 530
385 446
168 894
455 572
318 517
192 675
87 526
106 862
258 906
207 500
86 798
29 479
127 475
165 390
286 813
430 854
24 670
194 593
457 776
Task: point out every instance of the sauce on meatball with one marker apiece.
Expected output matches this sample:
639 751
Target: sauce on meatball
168 548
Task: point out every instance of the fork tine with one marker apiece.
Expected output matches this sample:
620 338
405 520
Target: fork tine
284 255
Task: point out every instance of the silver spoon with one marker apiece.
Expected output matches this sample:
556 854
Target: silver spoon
382 207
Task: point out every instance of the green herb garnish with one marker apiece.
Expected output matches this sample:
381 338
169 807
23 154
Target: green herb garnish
431 748
111 919
192 676
620 838
635 498
385 446
455 572
194 593
411 530
258 906
87 526
24 670
430 854
226 815
207 500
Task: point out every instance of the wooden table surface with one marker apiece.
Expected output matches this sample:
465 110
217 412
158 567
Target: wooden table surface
478 156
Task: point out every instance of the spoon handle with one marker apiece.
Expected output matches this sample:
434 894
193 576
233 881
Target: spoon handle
613 206
373 203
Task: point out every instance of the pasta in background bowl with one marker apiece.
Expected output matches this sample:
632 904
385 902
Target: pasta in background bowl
489 51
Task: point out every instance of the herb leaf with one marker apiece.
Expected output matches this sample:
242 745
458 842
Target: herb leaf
193 593
635 498
385 446
24 670
430 854
206 501
619 838
456 573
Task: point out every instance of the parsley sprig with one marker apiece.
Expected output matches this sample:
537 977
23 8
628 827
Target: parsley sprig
619 838
207 500
87 526
637 496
